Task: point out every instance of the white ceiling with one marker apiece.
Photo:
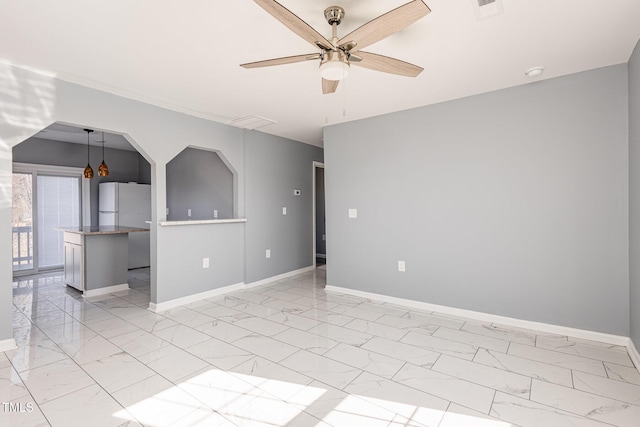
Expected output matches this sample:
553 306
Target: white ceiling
185 55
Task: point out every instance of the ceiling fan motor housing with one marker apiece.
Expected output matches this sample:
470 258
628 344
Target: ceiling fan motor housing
334 14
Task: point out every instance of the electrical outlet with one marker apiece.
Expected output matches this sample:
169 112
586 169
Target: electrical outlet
401 266
189 213
353 213
205 262
268 253
284 211
215 214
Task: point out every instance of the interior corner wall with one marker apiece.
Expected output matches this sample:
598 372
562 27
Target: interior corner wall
275 167
634 194
513 203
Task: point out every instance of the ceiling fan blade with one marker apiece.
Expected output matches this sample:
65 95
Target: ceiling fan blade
385 64
329 86
387 24
295 24
281 61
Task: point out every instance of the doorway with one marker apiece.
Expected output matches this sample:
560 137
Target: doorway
44 198
319 217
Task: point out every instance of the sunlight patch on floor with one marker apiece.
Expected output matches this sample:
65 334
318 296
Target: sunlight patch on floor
216 397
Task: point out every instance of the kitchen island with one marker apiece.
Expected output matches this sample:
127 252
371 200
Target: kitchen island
96 258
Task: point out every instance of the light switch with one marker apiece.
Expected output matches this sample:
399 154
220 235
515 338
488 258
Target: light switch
215 214
284 211
401 266
189 213
205 262
353 213
268 253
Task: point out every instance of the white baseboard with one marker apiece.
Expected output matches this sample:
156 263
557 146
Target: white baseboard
88 293
280 277
491 318
222 291
6 345
633 353
167 305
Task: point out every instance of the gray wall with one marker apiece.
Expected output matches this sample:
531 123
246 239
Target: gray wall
274 168
124 166
321 246
144 171
634 193
223 244
198 180
513 202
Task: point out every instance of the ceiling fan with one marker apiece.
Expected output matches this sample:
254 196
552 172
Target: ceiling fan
336 55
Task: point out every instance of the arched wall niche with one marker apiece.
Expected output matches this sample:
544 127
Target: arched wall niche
201 184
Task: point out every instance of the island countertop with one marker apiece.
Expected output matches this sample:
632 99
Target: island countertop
102 229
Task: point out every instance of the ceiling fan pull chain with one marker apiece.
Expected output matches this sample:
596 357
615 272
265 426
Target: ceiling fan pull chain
326 110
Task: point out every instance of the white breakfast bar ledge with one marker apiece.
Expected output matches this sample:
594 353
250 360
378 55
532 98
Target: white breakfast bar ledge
200 221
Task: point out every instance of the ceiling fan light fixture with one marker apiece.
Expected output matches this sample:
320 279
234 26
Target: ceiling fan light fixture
335 67
334 70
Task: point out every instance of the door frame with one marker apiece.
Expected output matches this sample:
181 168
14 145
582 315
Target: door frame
85 201
316 165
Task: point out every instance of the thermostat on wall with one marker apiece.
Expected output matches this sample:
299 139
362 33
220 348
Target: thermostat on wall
296 192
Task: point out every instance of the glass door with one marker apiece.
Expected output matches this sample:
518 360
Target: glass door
22 226
44 199
58 206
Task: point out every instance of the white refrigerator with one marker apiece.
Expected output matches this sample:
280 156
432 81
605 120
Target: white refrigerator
128 205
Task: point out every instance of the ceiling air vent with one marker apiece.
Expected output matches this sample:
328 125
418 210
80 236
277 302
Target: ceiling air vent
487 8
251 122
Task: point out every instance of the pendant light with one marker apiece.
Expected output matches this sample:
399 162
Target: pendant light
103 169
88 172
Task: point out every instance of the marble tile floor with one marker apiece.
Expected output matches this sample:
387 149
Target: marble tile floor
290 354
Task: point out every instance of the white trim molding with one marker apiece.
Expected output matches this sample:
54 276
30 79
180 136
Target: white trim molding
633 353
6 345
279 277
88 293
491 318
202 222
167 305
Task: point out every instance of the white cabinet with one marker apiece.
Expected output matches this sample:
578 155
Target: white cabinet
74 261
